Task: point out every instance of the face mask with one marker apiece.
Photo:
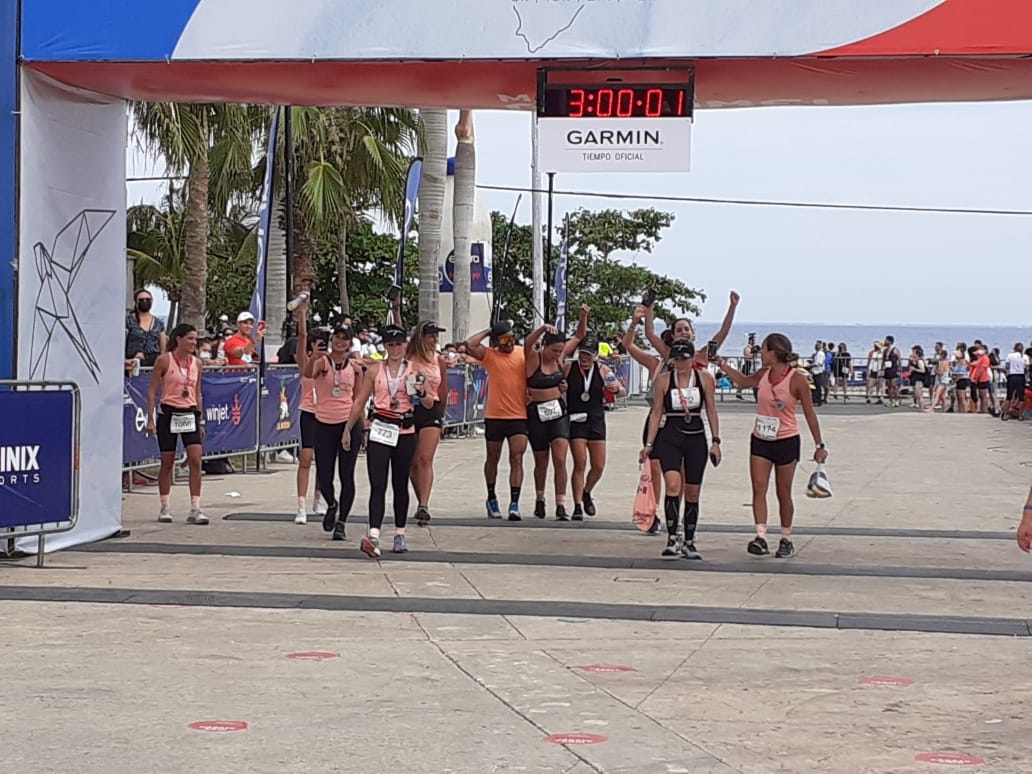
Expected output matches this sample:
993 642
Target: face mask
206 356
144 304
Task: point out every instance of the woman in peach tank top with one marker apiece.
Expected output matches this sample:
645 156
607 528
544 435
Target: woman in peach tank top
431 387
177 374
775 444
307 348
336 378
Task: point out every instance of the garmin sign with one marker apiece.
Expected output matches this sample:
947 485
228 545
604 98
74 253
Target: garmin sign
615 144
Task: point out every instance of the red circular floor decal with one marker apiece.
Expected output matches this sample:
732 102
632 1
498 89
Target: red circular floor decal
574 739
219 726
606 668
949 759
896 681
311 656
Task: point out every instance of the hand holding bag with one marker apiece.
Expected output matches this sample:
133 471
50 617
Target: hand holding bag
645 500
819 487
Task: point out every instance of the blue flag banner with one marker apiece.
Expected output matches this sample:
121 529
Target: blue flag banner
281 407
264 218
138 448
560 287
37 457
415 172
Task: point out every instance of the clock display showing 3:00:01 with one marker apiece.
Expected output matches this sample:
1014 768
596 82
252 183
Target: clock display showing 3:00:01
617 102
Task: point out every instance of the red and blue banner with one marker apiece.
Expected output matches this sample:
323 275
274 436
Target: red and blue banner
281 408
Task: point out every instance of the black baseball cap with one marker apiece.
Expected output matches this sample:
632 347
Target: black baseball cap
342 328
501 328
429 328
682 348
589 344
393 333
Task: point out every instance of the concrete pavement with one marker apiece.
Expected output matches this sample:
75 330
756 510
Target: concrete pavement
899 630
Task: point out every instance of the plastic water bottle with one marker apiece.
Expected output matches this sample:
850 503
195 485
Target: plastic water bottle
296 301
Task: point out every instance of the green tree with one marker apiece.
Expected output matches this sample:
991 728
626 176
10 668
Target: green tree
596 274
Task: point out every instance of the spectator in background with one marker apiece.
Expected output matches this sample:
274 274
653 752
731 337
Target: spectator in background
841 367
241 348
1016 365
144 333
820 376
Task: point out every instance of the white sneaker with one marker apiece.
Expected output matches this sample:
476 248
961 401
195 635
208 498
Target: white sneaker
319 507
165 514
302 517
196 517
285 457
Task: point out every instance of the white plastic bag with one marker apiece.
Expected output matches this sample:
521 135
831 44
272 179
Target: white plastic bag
819 486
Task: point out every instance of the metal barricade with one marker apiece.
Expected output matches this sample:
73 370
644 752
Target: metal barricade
39 460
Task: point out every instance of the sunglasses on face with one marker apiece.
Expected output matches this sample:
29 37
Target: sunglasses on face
395 343
506 340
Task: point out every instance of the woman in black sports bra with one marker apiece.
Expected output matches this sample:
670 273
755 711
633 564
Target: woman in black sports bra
548 418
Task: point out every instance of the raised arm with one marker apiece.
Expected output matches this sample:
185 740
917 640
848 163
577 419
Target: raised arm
650 361
729 319
530 352
738 379
649 315
615 386
475 344
301 356
580 333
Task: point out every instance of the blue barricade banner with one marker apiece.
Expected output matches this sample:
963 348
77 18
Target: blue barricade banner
281 407
138 448
455 406
231 411
37 457
476 394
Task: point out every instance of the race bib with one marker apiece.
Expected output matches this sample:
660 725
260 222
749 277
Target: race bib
384 433
690 397
578 417
767 427
549 410
183 424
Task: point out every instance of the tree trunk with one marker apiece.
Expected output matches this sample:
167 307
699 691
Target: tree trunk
276 277
431 209
195 262
462 223
173 310
342 271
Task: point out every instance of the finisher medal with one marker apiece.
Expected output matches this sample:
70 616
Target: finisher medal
585 396
337 392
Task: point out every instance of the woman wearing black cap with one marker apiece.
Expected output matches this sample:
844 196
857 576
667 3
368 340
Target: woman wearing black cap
547 417
337 379
677 438
431 382
587 380
392 437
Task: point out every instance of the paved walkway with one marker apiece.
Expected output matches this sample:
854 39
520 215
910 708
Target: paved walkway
900 629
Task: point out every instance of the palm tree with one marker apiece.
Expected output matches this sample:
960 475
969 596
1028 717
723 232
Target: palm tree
156 241
213 146
431 208
348 162
463 198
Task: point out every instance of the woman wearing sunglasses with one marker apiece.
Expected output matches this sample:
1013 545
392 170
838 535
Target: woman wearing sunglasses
677 439
392 437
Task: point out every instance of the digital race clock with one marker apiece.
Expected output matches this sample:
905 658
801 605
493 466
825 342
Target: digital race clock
616 100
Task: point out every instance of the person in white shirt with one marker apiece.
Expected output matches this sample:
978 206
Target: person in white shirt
1015 366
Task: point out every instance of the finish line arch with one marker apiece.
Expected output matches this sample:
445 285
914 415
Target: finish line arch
63 120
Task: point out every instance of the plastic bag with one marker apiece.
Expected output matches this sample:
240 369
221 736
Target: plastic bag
819 486
645 500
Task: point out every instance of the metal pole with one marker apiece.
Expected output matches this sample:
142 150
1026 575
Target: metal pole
288 194
535 222
547 310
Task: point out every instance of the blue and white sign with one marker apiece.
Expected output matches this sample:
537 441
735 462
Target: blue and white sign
37 457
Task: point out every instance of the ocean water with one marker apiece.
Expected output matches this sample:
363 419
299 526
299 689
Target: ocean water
860 338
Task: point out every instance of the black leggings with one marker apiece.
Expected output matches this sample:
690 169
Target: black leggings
399 458
330 454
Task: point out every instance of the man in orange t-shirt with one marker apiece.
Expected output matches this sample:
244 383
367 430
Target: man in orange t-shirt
241 347
505 418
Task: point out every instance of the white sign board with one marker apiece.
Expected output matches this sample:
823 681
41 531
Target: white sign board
615 144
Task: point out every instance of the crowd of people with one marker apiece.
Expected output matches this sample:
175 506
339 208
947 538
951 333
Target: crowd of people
549 393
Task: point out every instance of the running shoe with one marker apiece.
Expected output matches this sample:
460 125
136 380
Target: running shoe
371 547
785 549
196 517
302 516
318 506
422 515
561 514
329 517
514 512
165 514
493 511
672 550
399 545
539 509
656 524
758 547
578 513
340 531
589 504
689 551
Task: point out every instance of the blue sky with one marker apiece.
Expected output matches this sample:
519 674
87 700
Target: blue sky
811 265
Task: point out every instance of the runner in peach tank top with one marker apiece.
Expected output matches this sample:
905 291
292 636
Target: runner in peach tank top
389 392
334 392
775 400
179 384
